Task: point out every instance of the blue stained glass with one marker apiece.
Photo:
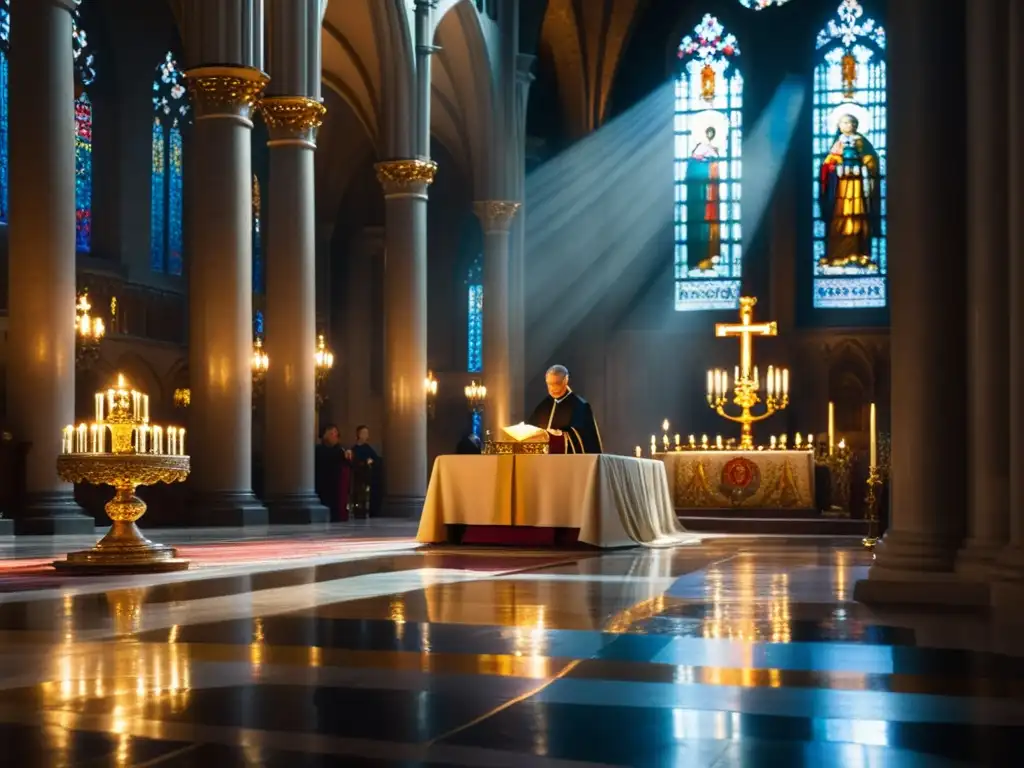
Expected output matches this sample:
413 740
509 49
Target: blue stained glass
478 423
83 174
3 131
258 268
257 325
475 317
851 71
157 219
174 202
708 173
760 5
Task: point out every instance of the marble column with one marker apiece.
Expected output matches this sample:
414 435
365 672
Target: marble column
495 218
41 236
988 265
405 184
220 293
927 243
1008 586
293 112
361 309
517 258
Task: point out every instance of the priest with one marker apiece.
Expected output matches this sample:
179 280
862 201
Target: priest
566 416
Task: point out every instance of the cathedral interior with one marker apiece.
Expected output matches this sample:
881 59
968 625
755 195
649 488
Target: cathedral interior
405 216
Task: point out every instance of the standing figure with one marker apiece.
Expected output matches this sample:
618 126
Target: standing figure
849 197
567 417
703 209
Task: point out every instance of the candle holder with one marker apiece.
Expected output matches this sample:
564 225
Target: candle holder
138 456
324 361
89 332
260 364
871 500
840 466
430 389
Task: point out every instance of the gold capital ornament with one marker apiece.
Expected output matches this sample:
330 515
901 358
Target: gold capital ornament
406 177
496 215
292 119
225 91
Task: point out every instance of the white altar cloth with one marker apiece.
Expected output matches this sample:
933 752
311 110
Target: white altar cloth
614 501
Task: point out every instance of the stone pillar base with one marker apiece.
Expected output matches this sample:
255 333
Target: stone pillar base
884 587
53 514
297 509
1008 581
914 552
6 526
977 558
232 509
406 507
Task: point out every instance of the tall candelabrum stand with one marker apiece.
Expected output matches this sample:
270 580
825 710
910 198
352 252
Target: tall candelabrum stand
839 461
126 466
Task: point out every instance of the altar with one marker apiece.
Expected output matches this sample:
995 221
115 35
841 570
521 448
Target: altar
600 500
723 479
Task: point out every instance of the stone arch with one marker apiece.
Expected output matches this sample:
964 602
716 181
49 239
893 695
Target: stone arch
851 384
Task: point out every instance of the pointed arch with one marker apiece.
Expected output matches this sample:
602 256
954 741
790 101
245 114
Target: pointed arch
170 111
708 169
850 259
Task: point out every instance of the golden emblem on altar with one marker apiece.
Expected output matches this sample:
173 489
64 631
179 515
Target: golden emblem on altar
522 439
747 384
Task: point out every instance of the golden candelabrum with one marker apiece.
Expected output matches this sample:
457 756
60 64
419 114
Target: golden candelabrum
430 389
324 362
89 332
747 386
838 459
139 453
871 501
476 395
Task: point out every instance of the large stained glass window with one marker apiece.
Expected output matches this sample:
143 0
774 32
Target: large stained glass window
475 316
708 170
85 76
849 186
758 5
170 107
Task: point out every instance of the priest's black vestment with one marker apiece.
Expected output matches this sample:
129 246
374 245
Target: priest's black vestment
573 416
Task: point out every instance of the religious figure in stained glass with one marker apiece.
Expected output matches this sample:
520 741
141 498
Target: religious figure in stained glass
85 76
849 194
475 316
849 165
171 109
708 150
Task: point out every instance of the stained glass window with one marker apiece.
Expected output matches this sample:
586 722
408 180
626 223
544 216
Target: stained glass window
759 5
258 269
171 109
475 316
708 169
85 75
849 169
5 38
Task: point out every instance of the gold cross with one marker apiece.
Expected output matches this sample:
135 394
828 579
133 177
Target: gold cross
746 330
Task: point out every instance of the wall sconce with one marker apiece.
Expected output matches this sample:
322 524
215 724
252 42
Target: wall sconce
476 394
430 387
260 364
324 363
182 398
89 332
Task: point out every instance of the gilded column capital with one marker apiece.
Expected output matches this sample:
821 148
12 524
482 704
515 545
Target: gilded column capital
496 215
292 119
406 177
228 91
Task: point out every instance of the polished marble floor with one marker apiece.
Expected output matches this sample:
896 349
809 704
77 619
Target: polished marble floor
738 652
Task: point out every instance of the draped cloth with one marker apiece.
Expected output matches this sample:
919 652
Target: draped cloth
614 501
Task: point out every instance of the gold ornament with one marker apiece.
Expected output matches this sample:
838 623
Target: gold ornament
398 176
496 215
124 549
295 115
225 90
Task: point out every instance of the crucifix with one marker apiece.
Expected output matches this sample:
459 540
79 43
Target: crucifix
746 330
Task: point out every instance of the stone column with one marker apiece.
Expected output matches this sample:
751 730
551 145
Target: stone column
220 253
496 217
292 120
926 278
405 184
423 10
987 310
517 259
1008 587
360 310
41 236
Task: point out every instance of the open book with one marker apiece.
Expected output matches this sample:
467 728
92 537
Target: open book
524 433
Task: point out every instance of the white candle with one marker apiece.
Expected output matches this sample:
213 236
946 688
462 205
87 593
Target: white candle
145 408
874 439
718 442
831 428
172 441
110 400
677 440
692 441
181 442
69 439
94 440
136 406
797 441
778 382
664 441
785 381
638 453
757 379
711 382
736 373
99 407
80 444
773 442
703 441
770 381
103 438
782 441
158 440
144 439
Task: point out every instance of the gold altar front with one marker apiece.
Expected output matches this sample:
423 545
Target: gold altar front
715 479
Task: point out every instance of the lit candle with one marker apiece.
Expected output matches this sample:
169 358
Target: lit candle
172 439
69 439
718 442
158 440
638 453
757 380
664 441
842 444
785 381
874 439
110 400
736 373
693 441
797 441
779 391
782 441
103 438
711 383
770 381
99 407
181 442
145 408
136 441
677 440
94 440
136 406
703 441
654 445
664 425
772 442
725 383
831 427
80 443
144 439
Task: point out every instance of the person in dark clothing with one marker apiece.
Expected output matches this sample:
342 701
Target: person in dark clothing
470 445
366 468
329 458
